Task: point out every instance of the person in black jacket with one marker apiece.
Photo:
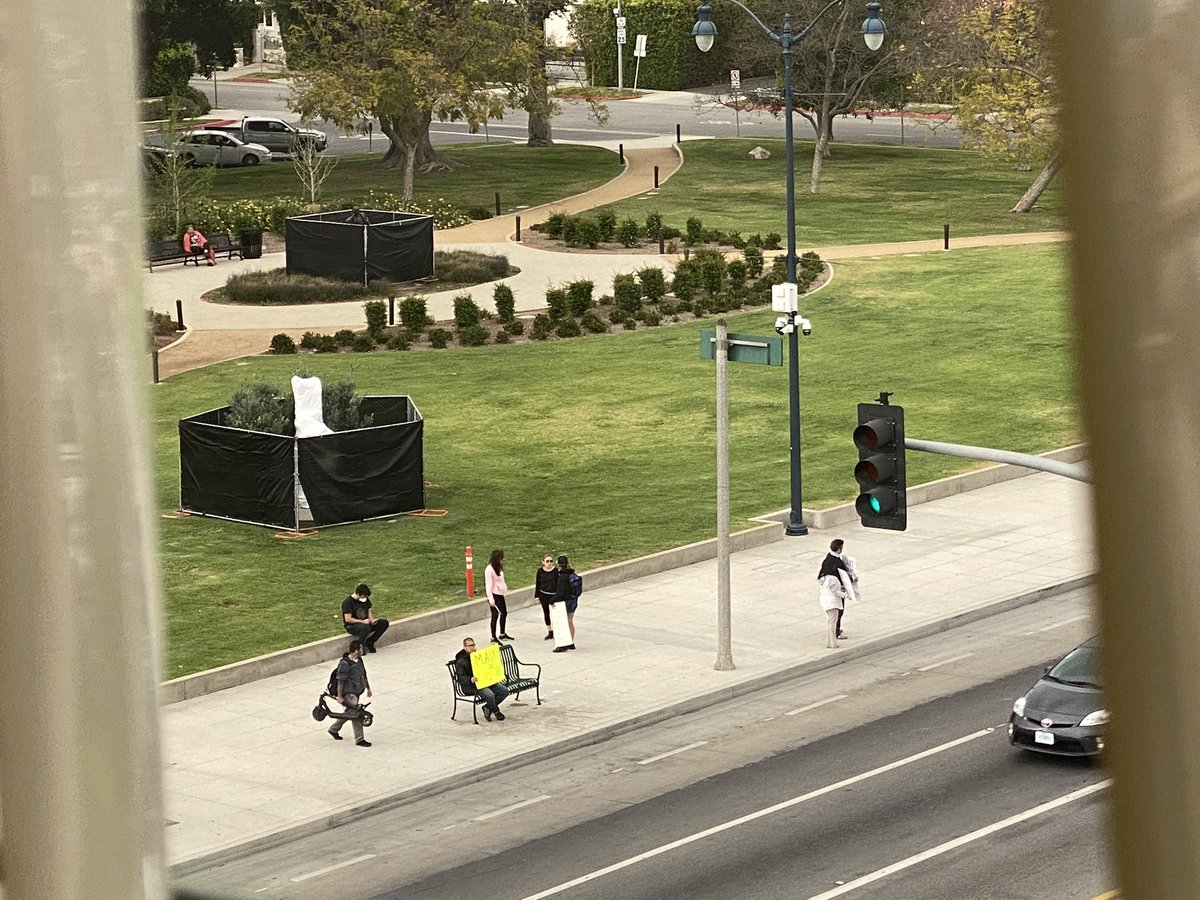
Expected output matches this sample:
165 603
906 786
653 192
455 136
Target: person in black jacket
464 673
565 595
351 684
359 621
545 586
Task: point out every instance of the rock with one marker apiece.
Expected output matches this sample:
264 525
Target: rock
760 153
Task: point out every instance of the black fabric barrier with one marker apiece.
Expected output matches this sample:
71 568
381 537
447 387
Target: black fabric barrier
400 250
360 245
326 250
236 474
363 474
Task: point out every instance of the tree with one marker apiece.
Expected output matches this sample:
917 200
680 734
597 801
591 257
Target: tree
182 37
537 96
402 62
175 184
312 167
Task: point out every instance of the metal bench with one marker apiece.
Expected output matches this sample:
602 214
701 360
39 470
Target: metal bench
223 243
159 253
514 679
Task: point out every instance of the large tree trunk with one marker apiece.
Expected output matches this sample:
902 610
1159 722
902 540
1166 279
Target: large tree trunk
814 181
538 105
1039 186
429 160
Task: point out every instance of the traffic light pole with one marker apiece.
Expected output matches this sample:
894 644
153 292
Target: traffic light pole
1076 471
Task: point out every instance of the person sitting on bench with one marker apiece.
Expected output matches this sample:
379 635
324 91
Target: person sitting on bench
197 244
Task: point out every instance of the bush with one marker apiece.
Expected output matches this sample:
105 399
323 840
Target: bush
515 326
555 224
439 338
652 318
506 305
309 340
413 314
479 212
376 311
654 283
695 231
503 337
772 241
627 295
628 234
260 406
736 269
593 323
340 405
754 261
326 344
667 309
473 336
569 328
579 297
556 300
398 341
587 234
542 327
344 337
654 224
630 324
606 224
362 343
686 281
569 226
275 286
605 300
161 323
282 344
466 312
470 267
712 269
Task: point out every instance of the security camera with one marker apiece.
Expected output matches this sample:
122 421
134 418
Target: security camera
785 325
805 326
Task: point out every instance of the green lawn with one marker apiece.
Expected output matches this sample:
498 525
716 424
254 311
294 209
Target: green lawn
868 193
603 446
524 176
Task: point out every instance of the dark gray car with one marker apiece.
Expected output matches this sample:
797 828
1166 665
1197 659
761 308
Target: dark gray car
1064 713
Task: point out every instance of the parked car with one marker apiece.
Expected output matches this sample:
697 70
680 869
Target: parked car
215 148
153 158
1064 712
274 134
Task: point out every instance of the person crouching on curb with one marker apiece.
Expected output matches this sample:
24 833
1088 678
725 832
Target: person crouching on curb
492 696
832 596
351 683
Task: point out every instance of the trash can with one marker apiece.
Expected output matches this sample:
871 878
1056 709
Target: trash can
252 243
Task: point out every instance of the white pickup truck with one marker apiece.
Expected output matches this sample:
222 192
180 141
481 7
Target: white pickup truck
276 135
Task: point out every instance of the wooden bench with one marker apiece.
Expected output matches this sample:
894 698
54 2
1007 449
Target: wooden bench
514 679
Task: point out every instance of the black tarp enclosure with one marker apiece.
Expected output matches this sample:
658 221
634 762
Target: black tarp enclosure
347 476
360 245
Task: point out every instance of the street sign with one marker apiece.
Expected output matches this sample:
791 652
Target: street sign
639 46
735 78
747 348
620 35
620 21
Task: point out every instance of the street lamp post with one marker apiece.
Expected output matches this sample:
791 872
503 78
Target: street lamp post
705 33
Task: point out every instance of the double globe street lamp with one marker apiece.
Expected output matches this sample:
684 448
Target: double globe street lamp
705 33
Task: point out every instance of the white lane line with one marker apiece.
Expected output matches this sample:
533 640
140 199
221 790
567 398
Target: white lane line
943 662
1054 625
508 809
329 869
646 762
796 712
750 817
964 840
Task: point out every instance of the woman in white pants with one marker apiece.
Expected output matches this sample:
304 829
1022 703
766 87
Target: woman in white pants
832 596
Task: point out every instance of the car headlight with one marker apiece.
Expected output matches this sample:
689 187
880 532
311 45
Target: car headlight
1019 706
1099 717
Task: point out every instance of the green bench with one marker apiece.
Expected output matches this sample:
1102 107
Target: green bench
515 680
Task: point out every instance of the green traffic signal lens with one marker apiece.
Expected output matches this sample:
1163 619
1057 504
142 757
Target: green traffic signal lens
875 508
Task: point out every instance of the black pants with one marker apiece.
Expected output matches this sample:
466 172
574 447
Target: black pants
499 611
839 622
546 601
367 634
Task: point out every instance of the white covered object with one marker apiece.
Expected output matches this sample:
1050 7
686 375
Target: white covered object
310 420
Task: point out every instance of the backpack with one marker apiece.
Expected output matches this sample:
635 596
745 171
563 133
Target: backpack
331 688
576 582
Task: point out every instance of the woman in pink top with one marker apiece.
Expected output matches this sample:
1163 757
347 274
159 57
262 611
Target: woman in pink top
493 577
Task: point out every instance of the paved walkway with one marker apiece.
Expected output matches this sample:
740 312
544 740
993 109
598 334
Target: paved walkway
654 636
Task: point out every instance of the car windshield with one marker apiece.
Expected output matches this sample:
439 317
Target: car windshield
1079 667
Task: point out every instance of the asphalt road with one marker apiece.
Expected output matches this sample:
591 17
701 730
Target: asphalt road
898 759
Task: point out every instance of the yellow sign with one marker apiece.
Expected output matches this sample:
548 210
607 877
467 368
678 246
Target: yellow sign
487 666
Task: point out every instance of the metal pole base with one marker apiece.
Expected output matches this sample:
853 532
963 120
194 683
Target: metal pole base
794 530
724 664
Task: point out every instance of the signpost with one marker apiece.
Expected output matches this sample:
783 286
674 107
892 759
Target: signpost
639 50
723 346
735 83
620 46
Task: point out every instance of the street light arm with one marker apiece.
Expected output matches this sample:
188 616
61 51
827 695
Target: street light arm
759 22
809 27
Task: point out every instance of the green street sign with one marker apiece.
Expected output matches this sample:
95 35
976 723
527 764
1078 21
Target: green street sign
746 348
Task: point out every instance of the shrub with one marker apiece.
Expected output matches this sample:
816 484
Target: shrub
712 269
340 405
695 231
771 241
627 295
275 286
593 323
617 316
654 224
686 281
362 343
479 212
473 336
261 406
413 314
569 226
684 306
606 224
282 344
579 297
556 300
515 326
326 343
439 338
555 224
701 307
754 260
160 323
309 340
569 328
503 337
398 341
654 283
587 234
667 309
808 270
736 270
630 324
466 312
628 234
652 318
343 337
470 267
506 305
376 311
605 300
542 327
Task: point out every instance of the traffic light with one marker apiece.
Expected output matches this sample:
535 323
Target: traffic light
880 473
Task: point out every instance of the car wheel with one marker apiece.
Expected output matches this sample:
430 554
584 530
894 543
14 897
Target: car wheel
250 160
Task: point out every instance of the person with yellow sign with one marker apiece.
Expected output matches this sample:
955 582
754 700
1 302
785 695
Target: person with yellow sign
482 672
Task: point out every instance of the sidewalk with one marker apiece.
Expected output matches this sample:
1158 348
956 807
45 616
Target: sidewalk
248 765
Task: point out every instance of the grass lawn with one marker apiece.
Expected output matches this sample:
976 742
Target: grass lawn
604 445
869 193
524 176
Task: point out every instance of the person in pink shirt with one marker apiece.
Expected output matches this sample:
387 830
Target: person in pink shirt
196 243
493 577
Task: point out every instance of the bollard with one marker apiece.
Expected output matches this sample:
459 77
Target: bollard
946 236
621 152
661 243
470 575
391 310
179 313
687 252
518 229
497 203
154 363
678 139
656 177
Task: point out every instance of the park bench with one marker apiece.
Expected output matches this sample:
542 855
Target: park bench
223 243
514 680
159 253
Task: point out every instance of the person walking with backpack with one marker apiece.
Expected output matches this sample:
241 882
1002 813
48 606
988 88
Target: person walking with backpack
351 684
567 592
496 589
545 586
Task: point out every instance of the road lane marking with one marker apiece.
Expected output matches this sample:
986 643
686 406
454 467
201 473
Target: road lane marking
508 809
329 869
796 712
1051 627
964 840
943 662
751 817
646 762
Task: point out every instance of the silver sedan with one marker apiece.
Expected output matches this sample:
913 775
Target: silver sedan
215 148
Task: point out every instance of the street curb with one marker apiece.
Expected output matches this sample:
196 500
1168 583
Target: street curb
321 823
